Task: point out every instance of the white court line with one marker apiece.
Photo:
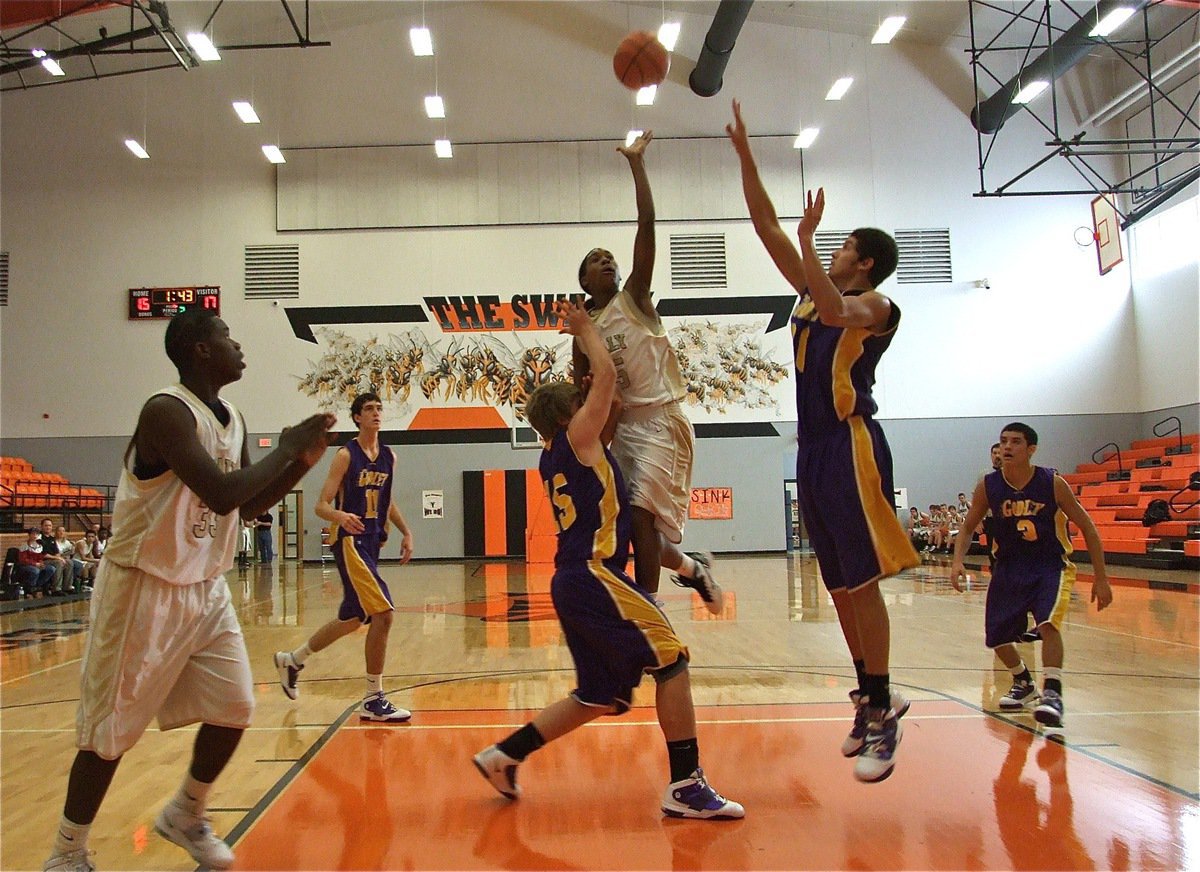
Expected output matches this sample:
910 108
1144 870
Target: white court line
909 718
40 671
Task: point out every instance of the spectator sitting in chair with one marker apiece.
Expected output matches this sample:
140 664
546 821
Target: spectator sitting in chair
102 536
63 578
85 550
32 571
66 550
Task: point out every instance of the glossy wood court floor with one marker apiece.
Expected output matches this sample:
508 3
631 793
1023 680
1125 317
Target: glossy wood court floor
475 650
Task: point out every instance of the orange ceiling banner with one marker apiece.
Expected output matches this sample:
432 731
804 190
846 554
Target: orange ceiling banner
17 13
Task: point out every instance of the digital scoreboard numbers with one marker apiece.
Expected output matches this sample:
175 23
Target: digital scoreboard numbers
169 302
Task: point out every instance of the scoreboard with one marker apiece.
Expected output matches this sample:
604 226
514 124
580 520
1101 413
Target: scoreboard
169 302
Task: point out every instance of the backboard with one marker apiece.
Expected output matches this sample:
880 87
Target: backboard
1106 224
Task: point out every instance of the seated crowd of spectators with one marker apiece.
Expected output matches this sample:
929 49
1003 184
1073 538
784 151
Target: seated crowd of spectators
935 531
50 564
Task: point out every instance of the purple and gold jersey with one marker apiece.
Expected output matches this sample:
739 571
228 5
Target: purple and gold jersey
589 506
835 368
366 489
1027 523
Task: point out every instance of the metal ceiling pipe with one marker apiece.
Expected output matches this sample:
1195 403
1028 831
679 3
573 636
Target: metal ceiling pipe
1064 53
708 75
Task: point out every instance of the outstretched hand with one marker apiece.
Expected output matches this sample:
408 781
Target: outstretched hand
813 210
737 130
574 317
638 147
308 439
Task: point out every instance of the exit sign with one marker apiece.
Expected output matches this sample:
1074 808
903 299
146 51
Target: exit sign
264 442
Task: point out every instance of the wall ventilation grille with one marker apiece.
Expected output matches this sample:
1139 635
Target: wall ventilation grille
698 261
272 272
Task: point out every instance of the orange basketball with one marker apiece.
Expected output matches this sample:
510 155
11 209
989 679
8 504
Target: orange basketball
640 60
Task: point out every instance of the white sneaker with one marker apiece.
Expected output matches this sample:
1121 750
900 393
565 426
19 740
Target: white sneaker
194 834
499 769
856 740
693 798
289 672
71 861
703 582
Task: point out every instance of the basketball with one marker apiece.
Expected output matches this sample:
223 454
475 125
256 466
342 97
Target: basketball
640 60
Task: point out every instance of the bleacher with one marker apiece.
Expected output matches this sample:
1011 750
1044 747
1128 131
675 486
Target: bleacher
23 489
1118 487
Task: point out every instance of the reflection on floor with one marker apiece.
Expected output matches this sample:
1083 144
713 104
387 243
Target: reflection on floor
475 649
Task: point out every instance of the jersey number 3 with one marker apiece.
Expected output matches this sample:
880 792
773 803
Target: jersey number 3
1027 530
564 506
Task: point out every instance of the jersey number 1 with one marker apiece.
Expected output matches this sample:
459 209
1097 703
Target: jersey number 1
372 496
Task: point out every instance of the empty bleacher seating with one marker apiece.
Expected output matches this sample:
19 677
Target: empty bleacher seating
1156 470
22 487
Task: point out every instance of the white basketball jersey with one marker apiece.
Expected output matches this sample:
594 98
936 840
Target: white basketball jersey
647 369
160 526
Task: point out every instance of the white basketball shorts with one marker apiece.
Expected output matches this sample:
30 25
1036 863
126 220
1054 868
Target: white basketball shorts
655 448
157 649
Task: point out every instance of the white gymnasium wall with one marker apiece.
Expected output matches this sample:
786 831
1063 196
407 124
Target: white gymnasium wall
1166 293
83 221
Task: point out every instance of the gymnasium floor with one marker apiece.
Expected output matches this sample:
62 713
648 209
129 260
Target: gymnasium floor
475 649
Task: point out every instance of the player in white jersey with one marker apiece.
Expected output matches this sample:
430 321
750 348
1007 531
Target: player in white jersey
654 442
164 639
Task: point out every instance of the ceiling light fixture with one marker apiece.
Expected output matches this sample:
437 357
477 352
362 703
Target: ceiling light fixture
645 96
807 137
205 50
631 136
245 112
136 147
435 107
442 148
668 34
839 89
274 155
1111 21
1030 91
49 63
422 41
890 27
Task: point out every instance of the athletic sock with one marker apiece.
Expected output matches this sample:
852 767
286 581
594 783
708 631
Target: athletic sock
193 795
860 669
71 836
301 654
522 743
687 568
1053 678
374 684
1020 672
875 687
685 758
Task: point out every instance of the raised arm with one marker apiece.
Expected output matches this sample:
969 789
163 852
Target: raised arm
166 434
588 423
638 283
871 309
762 210
1101 591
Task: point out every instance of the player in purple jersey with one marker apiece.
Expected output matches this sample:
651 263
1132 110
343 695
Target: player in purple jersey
357 502
1030 507
841 327
613 629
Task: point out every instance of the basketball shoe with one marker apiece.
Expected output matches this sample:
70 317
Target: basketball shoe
693 798
71 861
194 834
1021 695
377 707
703 582
499 769
289 671
1049 712
853 744
877 758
